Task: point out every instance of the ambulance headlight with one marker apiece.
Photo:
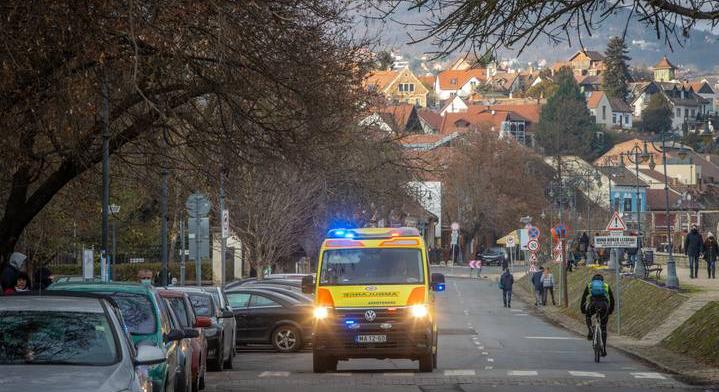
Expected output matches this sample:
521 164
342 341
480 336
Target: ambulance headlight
419 311
321 312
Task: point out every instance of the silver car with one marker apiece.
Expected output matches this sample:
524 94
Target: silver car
67 342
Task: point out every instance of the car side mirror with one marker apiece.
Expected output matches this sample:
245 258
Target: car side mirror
191 333
437 282
149 355
174 335
227 314
202 322
308 284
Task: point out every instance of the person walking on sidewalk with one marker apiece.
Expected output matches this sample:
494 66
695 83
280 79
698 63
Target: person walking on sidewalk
693 245
506 281
538 287
711 250
547 286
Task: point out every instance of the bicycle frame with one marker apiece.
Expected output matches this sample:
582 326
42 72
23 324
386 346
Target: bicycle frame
597 342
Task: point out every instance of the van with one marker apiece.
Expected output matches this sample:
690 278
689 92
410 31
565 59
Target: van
374 298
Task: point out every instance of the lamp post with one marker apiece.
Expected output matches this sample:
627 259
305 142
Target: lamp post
672 280
637 156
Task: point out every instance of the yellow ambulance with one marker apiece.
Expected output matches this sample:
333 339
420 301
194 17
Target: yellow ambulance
374 298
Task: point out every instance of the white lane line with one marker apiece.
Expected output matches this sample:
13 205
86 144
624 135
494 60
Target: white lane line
488 367
274 374
398 374
522 373
481 347
490 359
466 312
521 314
469 372
516 310
577 373
552 337
485 353
338 374
648 375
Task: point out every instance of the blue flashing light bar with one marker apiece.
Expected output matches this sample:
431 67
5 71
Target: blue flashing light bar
439 287
349 322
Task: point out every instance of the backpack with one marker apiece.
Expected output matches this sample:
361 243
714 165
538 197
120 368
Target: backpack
596 287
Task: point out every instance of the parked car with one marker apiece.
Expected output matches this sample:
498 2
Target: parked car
183 378
492 256
284 290
221 334
147 325
180 304
288 283
70 342
267 317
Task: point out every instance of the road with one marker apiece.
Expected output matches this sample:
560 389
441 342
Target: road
482 347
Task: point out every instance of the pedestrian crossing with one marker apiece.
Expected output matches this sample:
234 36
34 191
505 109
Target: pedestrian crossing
519 373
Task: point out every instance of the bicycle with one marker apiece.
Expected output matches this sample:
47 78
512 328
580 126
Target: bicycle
597 341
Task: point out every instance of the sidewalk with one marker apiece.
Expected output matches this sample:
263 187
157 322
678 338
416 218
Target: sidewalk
648 348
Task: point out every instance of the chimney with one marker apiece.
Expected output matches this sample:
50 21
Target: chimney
493 112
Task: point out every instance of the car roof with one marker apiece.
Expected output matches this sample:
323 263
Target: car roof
269 293
52 303
165 293
116 287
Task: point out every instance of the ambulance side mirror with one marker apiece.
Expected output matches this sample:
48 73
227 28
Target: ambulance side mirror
308 284
437 282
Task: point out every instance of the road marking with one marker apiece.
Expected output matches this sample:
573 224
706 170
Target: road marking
481 347
521 314
274 374
516 310
338 374
485 353
466 312
469 372
577 373
522 373
490 359
488 367
552 337
398 374
648 375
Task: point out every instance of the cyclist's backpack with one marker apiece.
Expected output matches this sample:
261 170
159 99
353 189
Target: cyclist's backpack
597 288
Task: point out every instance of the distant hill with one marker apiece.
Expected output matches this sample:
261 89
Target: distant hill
700 52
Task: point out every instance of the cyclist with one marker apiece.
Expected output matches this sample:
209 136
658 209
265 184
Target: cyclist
601 300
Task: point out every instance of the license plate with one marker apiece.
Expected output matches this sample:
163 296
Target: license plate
371 339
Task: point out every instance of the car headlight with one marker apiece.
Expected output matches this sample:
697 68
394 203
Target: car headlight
143 378
419 311
321 312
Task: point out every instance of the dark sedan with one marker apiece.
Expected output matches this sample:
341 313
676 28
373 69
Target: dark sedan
492 256
268 317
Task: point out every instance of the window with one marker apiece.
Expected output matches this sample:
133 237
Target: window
626 119
372 266
679 112
56 338
693 113
627 205
202 304
604 112
406 87
614 118
686 112
178 306
137 312
259 301
238 300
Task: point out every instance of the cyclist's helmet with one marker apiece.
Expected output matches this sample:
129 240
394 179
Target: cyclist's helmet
598 277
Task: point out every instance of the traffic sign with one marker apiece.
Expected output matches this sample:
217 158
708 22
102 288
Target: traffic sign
615 241
197 205
560 231
475 264
558 247
455 226
532 257
533 232
533 245
616 223
558 258
532 267
225 223
510 242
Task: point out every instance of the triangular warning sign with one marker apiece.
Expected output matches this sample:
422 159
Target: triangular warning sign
532 257
616 223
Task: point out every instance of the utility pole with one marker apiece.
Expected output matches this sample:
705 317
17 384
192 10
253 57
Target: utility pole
105 178
163 234
563 273
183 254
223 231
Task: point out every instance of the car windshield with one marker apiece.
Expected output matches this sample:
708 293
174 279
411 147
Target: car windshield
371 266
58 338
137 313
202 304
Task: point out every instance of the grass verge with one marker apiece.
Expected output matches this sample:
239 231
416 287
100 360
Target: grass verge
698 336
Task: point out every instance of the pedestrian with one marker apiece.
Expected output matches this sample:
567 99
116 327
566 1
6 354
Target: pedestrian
23 282
583 244
632 255
506 281
547 286
145 276
711 250
10 273
591 254
42 278
538 287
693 244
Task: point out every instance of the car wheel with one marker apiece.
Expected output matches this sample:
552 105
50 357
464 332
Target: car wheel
217 362
286 339
202 382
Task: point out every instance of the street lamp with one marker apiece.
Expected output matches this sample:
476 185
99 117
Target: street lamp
114 210
636 156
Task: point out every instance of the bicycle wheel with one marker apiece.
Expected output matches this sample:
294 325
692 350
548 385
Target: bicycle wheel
597 344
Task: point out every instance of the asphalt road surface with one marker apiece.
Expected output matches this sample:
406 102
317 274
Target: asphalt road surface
482 347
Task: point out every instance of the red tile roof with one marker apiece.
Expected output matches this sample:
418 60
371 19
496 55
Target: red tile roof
460 77
381 79
421 138
465 121
594 99
427 81
432 118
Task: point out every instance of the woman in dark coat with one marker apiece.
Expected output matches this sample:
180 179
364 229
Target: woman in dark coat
711 251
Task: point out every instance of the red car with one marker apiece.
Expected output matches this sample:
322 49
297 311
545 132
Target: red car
180 304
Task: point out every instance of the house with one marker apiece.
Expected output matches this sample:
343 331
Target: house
505 83
685 103
587 62
396 119
664 71
398 86
514 121
453 105
430 120
458 82
628 195
609 112
589 83
704 90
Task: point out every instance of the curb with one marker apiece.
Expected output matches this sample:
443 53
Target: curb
681 376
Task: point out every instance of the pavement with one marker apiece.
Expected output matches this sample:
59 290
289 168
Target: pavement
482 347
